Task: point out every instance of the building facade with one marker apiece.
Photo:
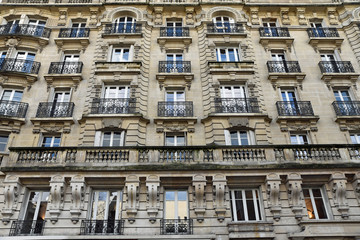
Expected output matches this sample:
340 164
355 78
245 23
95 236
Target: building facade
180 119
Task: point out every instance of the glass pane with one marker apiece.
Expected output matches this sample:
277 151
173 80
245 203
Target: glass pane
170 141
6 95
3 143
116 139
232 53
126 55
170 96
244 138
182 204
320 208
251 210
112 205
180 141
240 210
31 207
180 96
170 204
17 96
47 142
43 205
101 206
234 138
56 142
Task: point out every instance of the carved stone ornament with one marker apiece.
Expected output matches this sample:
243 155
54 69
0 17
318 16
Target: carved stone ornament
199 184
153 185
338 186
298 124
190 13
180 126
273 182
132 192
254 12
331 11
294 190
93 16
301 16
57 185
356 186
62 16
238 122
12 188
78 187
284 12
12 42
158 17
219 189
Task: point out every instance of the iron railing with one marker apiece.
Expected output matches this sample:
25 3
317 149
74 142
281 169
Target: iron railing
22 227
347 108
25 29
19 65
174 32
283 66
274 32
113 105
55 109
298 108
176 226
65 67
74 32
13 109
102 227
225 28
322 32
122 28
236 105
175 109
336 67
175 66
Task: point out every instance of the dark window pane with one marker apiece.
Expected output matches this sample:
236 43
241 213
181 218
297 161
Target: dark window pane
240 210
251 209
320 208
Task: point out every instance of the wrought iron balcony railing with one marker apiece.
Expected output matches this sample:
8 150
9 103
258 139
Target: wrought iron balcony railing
21 227
225 28
55 109
74 32
176 226
283 67
19 65
113 106
13 109
25 29
236 105
115 28
175 109
322 32
175 66
65 67
336 67
274 32
347 108
298 108
102 227
174 32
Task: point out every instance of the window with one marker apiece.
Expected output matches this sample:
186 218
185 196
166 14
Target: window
174 29
9 104
175 139
299 139
317 29
342 95
279 63
113 139
116 100
121 55
245 205
116 92
234 100
174 63
232 91
176 212
51 141
3 142
238 138
315 203
78 29
270 29
12 95
355 138
125 25
71 57
13 25
223 24
227 54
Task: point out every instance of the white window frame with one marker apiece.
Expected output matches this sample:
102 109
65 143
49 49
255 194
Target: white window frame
71 57
175 92
176 210
243 91
258 214
287 97
236 53
250 137
126 20
122 138
24 55
53 137
355 138
341 96
117 90
121 55
3 143
95 199
175 135
298 138
324 201
12 94
36 22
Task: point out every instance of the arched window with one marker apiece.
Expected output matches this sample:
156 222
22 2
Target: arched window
223 24
125 25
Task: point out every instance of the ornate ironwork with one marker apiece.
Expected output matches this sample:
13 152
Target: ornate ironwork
322 32
174 32
225 28
236 105
176 226
65 67
175 109
336 67
284 66
175 66
113 105
347 108
298 108
122 28
102 227
55 109
21 227
274 32
25 29
19 65
74 32
13 109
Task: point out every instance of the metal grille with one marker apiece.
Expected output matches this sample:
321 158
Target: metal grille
17 65
274 32
322 32
225 28
113 106
284 66
122 28
336 67
54 109
13 109
175 66
175 109
102 227
25 29
176 226
65 67
74 32
298 108
27 227
347 108
174 32
236 105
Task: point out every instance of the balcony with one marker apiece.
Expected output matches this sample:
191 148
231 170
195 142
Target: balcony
19 227
175 66
173 37
12 109
122 28
55 110
65 67
288 71
74 33
102 227
175 109
338 73
174 32
322 32
178 72
324 39
113 106
298 108
347 108
275 38
25 30
274 32
336 67
236 105
225 28
176 226
73 38
19 66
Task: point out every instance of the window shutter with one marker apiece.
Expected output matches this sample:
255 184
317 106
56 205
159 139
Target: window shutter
122 138
227 137
252 139
97 141
131 53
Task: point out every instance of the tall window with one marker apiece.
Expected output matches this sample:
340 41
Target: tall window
116 92
176 213
237 138
51 141
315 203
245 205
3 142
270 29
125 24
299 138
233 91
223 24
172 139
113 139
78 29
121 55
174 28
355 138
227 54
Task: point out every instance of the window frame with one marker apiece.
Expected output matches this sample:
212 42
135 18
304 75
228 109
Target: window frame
250 137
112 133
298 135
53 137
121 55
236 54
325 202
105 93
242 88
258 204
176 205
3 143
175 135
119 200
356 137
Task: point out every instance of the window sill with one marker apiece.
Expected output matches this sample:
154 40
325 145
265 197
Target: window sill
251 229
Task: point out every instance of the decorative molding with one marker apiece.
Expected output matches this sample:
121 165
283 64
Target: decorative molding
294 192
63 12
239 16
132 192
300 12
356 186
273 182
153 201
55 125
284 13
219 189
254 13
190 15
158 16
78 186
333 19
199 184
57 185
298 123
12 189
338 183
162 125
